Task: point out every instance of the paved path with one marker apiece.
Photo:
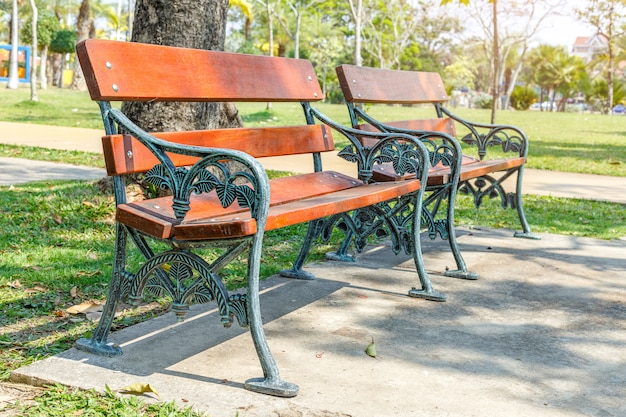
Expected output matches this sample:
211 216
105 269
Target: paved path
558 184
542 333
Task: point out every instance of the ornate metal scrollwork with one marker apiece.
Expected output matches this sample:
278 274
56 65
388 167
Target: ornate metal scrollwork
495 137
199 180
487 186
187 279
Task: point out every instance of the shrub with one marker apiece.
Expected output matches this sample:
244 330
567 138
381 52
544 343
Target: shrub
483 101
522 97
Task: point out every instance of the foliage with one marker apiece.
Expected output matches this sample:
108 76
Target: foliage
47 27
64 42
483 101
523 97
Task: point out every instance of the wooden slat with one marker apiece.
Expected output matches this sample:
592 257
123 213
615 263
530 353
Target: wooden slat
117 71
258 142
299 211
293 200
376 85
481 168
156 217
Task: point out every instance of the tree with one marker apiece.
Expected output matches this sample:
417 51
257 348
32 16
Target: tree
204 23
437 35
390 31
521 20
64 42
608 17
13 68
33 70
84 25
356 10
47 27
298 8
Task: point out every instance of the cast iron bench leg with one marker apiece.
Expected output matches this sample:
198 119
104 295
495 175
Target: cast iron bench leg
296 270
97 344
525 233
271 383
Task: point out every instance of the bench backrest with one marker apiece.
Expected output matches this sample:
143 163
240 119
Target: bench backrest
128 71
383 86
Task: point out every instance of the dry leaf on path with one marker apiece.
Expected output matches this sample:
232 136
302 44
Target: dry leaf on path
86 307
139 389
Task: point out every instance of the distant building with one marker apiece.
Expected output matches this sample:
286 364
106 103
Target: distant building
588 47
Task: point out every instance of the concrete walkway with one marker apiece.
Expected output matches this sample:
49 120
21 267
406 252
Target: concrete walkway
557 184
542 333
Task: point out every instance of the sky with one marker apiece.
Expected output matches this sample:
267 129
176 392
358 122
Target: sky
563 30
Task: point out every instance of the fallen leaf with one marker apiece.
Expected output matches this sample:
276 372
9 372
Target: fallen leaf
92 255
88 204
371 349
88 274
86 307
74 292
139 389
36 288
57 219
14 284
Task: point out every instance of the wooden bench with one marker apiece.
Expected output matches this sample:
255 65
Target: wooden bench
221 196
476 175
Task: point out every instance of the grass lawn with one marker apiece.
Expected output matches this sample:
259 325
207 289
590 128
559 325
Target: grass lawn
57 239
570 142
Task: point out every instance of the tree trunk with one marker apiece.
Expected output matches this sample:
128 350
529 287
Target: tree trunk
13 82
199 24
43 68
357 15
35 48
496 63
83 27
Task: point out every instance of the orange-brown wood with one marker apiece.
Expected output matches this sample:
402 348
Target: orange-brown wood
120 71
299 211
156 216
125 154
375 85
480 168
293 200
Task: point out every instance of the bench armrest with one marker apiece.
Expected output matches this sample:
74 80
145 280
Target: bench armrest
485 135
249 185
406 153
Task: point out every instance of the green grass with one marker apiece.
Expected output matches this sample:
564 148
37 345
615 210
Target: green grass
59 401
570 142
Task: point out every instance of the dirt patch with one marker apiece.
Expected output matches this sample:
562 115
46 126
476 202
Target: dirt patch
11 394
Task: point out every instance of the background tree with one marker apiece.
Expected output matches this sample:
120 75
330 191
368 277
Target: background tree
608 17
437 35
64 43
84 25
298 8
35 48
160 22
47 27
13 67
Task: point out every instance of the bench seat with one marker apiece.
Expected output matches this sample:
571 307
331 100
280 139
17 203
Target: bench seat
320 194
